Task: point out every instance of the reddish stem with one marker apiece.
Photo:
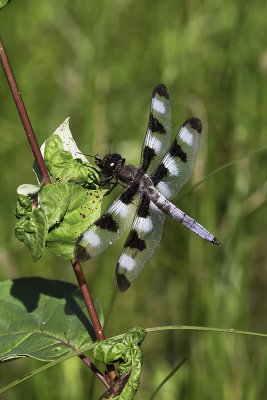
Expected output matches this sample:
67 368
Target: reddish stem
88 299
92 311
46 178
23 113
95 370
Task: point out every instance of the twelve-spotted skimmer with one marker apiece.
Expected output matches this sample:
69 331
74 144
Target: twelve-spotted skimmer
145 199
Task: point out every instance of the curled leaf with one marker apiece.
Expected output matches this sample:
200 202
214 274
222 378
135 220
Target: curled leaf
31 228
128 354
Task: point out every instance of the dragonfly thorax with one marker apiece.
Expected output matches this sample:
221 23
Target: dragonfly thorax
127 174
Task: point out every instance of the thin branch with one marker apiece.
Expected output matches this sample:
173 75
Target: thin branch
95 370
92 311
46 178
88 299
23 113
178 366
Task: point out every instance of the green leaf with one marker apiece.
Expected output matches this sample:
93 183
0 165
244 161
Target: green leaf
69 209
128 353
43 319
66 211
64 160
23 207
63 168
31 228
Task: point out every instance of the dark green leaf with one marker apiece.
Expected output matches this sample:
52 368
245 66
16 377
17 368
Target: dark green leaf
42 319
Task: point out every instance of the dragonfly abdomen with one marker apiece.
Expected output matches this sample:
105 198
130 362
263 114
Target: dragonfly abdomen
170 209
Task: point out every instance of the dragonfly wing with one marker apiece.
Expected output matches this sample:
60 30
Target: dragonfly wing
142 241
177 165
109 227
158 133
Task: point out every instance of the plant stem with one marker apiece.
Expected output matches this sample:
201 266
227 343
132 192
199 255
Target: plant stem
92 311
88 299
95 370
23 113
46 178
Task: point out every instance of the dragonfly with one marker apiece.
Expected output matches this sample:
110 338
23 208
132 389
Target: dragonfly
144 202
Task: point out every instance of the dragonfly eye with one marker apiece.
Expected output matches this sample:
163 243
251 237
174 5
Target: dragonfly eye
110 162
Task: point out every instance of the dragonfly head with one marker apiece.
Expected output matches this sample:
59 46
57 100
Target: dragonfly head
109 163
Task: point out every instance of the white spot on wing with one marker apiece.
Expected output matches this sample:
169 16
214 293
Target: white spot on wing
127 262
152 141
170 163
186 136
158 106
91 238
120 209
164 189
144 224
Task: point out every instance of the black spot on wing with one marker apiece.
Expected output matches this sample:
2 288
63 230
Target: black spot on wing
81 254
143 208
161 90
195 124
121 280
177 151
107 222
134 242
127 196
148 156
161 172
155 126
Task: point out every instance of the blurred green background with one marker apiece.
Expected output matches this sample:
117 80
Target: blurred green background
97 62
